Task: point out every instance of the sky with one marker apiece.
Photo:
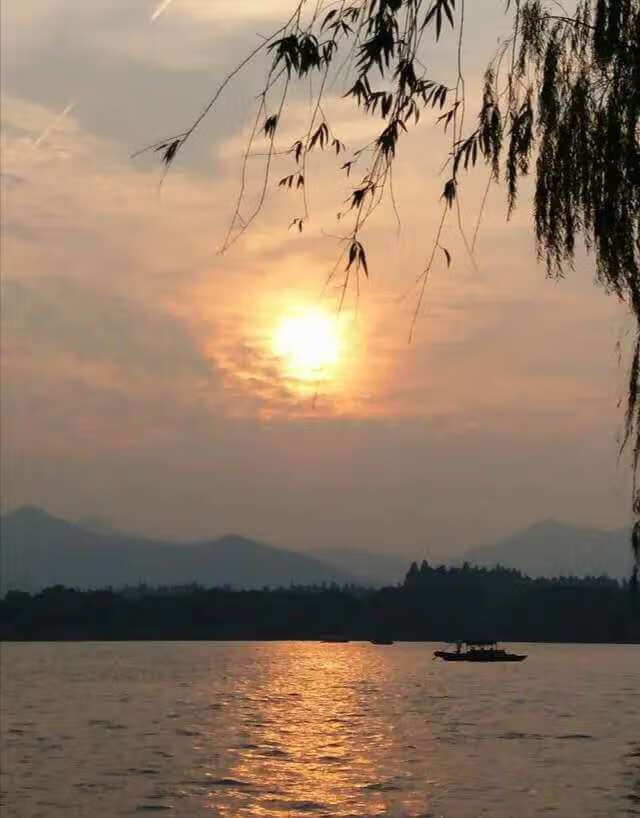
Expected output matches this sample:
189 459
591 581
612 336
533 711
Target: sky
143 378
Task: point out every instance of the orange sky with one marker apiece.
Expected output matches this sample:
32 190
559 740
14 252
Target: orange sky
140 378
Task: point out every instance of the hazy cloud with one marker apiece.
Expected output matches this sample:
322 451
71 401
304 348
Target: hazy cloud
139 377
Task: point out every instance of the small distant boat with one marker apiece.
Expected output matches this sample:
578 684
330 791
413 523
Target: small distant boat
475 651
381 641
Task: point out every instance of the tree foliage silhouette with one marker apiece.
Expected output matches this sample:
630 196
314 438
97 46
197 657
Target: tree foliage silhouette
433 603
561 99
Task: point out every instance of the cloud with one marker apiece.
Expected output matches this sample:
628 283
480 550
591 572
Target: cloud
103 271
77 195
55 317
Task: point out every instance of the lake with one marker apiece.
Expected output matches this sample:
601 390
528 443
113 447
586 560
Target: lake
309 729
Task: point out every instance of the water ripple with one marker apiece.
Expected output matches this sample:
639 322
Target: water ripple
283 729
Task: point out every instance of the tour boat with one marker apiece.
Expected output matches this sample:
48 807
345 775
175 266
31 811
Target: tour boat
476 651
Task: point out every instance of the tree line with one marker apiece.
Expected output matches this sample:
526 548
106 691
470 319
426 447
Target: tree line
433 604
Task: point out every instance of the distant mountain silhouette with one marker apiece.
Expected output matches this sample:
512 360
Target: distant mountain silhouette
99 524
367 567
551 548
39 550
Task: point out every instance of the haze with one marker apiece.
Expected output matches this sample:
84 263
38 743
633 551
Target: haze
139 378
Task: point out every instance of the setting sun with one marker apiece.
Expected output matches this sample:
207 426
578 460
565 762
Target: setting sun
308 343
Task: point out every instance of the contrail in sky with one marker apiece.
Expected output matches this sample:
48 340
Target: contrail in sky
160 9
54 124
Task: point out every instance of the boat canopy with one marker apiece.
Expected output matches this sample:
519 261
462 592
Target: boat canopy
480 643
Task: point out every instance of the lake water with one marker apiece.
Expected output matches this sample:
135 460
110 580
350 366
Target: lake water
308 729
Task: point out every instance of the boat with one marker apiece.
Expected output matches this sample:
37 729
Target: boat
381 641
478 651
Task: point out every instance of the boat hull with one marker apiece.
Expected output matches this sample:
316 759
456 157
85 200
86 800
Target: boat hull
477 656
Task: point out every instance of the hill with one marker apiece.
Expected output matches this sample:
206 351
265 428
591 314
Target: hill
367 567
38 550
551 548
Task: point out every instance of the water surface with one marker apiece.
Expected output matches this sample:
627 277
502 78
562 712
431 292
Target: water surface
308 729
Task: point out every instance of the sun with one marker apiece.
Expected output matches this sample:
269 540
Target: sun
308 343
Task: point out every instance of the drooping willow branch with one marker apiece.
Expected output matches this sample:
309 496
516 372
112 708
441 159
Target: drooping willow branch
383 39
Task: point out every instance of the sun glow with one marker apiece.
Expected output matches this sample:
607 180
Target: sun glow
309 344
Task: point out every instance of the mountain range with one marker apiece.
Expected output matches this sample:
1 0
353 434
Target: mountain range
553 549
38 550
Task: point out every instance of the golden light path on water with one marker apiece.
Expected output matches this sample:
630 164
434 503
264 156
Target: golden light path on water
315 730
311 731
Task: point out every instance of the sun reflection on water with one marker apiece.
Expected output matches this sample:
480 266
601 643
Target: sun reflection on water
312 736
314 730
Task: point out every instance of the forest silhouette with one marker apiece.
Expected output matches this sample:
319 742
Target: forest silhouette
433 604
